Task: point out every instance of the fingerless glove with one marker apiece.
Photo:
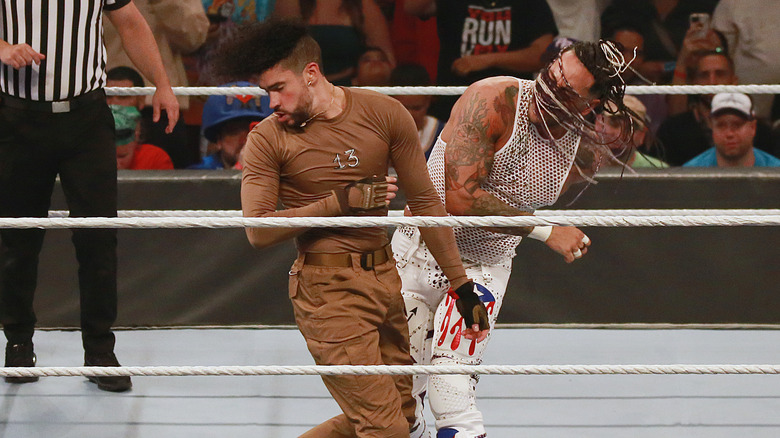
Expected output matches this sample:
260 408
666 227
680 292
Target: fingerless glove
469 305
363 195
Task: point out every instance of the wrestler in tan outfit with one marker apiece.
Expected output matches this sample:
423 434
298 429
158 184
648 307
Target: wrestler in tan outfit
326 152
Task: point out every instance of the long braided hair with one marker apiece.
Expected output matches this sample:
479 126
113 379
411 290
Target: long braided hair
560 104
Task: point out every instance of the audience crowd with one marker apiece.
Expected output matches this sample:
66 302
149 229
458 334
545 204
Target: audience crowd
456 42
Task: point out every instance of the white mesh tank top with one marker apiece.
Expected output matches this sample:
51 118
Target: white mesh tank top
528 173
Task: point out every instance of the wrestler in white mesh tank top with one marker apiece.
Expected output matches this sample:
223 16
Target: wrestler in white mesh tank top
528 173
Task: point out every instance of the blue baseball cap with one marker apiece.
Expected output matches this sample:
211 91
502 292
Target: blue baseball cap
220 109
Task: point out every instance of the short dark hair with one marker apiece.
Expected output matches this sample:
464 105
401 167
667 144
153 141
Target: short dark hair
625 27
699 54
123 73
258 47
410 75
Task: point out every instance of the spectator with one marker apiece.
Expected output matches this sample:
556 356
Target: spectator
577 19
130 153
631 154
343 29
750 27
58 124
125 77
632 44
176 144
227 121
373 69
179 27
662 23
428 127
733 131
414 39
688 134
481 39
697 41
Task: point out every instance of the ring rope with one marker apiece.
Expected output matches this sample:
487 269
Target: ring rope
452 91
500 325
364 370
765 219
399 213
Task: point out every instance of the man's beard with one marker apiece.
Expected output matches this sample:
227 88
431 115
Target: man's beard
302 112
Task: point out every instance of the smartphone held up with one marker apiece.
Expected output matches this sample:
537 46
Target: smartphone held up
700 23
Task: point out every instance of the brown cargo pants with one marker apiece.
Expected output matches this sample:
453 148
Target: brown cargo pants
355 316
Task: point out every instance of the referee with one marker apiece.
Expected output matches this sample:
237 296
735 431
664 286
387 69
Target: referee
54 120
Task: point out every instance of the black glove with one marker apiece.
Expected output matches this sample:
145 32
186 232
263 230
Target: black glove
470 307
364 195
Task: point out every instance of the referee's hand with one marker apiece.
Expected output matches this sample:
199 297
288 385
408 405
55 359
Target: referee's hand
19 55
164 99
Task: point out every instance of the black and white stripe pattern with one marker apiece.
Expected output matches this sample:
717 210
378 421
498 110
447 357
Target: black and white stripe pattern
69 33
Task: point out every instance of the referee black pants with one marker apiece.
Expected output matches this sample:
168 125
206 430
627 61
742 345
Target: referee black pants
78 146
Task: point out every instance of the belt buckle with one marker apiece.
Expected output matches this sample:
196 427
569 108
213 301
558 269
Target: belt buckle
60 107
367 261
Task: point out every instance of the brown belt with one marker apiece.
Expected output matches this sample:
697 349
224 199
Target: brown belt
344 259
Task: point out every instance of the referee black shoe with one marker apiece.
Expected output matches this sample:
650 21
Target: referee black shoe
108 383
20 355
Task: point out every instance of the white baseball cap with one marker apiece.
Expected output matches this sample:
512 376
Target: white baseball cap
732 102
634 105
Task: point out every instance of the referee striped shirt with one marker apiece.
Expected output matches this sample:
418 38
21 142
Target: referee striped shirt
69 33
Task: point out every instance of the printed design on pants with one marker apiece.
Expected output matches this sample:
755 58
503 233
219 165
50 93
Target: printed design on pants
437 279
453 328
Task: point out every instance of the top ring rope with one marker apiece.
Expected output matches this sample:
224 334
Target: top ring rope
450 91
400 213
766 217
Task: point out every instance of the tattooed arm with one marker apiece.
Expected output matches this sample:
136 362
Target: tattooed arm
481 121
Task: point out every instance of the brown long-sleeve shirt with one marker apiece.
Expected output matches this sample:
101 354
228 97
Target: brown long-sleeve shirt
302 167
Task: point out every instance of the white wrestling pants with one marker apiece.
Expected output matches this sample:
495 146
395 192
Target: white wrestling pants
435 328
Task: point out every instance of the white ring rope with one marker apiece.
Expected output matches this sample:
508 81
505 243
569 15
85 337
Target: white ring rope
364 370
399 213
766 218
702 89
500 325
452 91
164 213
